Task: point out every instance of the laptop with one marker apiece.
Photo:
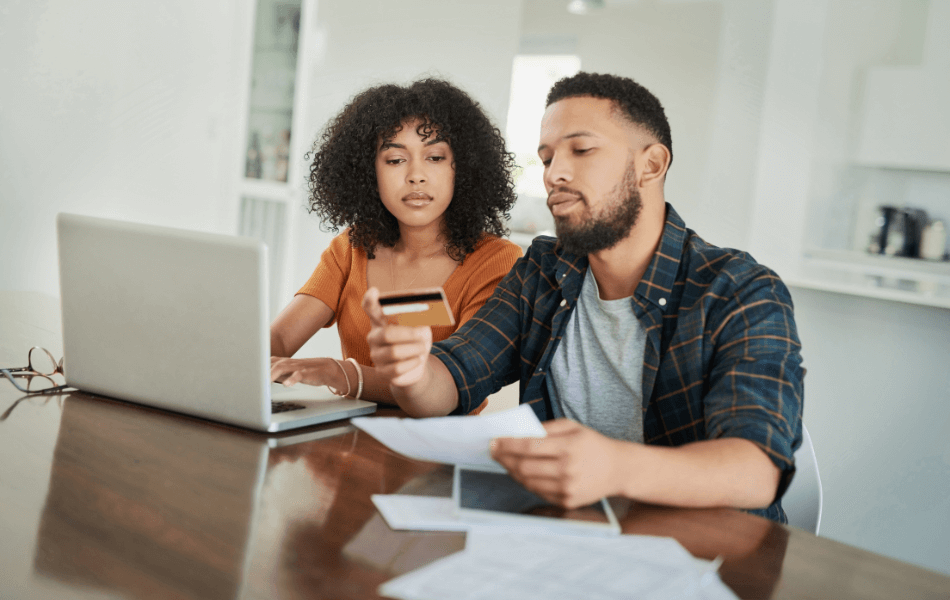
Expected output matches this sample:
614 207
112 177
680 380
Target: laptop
178 320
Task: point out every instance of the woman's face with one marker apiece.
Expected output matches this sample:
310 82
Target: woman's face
416 177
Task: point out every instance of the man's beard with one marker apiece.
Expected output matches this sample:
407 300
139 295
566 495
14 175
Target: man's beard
604 231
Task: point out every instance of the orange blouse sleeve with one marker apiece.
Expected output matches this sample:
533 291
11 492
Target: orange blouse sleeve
331 275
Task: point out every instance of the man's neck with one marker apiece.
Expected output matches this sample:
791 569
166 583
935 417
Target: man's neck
619 269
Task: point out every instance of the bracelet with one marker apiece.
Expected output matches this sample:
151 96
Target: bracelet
345 376
359 373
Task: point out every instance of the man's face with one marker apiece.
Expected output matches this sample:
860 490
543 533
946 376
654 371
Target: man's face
589 173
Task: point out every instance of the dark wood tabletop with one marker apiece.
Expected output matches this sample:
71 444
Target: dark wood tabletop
105 499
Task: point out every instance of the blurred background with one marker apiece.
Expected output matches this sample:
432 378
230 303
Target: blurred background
813 133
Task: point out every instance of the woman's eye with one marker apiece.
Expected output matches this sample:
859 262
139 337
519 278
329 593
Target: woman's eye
393 161
436 158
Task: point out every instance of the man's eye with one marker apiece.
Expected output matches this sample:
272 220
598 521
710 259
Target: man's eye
582 150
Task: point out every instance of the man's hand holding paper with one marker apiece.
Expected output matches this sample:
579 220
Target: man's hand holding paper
572 466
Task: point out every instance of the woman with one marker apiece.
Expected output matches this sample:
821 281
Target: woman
421 180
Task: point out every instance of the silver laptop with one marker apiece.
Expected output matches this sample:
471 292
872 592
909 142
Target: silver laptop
178 320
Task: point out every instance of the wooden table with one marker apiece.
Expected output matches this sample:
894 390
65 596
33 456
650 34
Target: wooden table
103 499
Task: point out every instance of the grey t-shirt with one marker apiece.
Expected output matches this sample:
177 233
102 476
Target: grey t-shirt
597 371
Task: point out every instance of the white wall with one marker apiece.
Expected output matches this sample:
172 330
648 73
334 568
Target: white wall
877 405
358 44
671 48
113 109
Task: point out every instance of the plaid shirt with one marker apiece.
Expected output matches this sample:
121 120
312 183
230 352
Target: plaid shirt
721 359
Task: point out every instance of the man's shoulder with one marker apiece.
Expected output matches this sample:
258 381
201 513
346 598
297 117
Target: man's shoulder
713 269
543 253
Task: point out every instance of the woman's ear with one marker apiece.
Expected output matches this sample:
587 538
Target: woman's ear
655 160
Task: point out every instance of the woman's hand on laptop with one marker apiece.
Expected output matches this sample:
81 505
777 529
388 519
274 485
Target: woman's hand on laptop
312 371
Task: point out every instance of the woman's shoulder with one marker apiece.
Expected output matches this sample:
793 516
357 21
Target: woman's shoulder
491 245
492 256
341 246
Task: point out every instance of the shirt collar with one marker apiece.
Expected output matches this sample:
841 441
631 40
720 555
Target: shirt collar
660 276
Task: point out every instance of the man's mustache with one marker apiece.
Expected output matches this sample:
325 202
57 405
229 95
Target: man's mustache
565 190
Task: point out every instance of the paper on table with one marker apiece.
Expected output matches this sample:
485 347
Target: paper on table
501 566
427 513
452 440
419 513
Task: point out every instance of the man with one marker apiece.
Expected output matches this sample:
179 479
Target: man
667 370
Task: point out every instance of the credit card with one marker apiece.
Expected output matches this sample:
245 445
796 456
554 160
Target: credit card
417 308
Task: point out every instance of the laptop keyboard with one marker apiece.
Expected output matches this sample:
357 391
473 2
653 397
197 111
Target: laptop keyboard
279 406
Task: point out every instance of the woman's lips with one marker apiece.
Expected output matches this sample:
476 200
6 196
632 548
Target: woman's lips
417 199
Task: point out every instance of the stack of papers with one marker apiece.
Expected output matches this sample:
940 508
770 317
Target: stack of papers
499 565
503 561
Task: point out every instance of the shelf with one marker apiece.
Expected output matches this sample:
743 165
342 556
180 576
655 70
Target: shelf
913 281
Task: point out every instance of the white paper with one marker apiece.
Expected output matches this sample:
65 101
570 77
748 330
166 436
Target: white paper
452 440
427 513
418 513
507 566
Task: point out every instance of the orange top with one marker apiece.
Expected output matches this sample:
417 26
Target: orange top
340 282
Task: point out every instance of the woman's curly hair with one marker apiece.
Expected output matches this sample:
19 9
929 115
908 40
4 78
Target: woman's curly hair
342 182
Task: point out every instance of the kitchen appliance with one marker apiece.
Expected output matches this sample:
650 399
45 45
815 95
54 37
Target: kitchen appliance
899 231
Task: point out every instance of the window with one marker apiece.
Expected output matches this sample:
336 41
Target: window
532 76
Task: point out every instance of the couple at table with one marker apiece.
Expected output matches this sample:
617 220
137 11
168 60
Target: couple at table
665 369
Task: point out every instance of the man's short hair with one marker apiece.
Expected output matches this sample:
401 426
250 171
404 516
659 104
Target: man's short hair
631 99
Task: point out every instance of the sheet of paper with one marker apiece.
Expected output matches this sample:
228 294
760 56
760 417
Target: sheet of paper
452 440
427 513
497 565
418 513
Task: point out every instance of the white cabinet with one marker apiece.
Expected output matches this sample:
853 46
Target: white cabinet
906 121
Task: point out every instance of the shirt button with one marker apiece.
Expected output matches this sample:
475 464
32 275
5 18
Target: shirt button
564 302
662 301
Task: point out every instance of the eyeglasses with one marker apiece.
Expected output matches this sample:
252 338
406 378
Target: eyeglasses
37 376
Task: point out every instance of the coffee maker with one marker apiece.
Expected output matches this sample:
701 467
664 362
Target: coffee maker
899 231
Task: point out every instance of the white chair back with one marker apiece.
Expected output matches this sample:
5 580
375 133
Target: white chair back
802 499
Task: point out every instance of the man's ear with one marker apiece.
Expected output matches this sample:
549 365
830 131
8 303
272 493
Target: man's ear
655 160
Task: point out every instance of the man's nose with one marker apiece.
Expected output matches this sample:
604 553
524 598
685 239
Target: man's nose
559 172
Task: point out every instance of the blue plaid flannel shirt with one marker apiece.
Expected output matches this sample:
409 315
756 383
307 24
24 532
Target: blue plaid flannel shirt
722 355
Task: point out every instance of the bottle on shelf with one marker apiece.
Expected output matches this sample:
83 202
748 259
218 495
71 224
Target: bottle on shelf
254 164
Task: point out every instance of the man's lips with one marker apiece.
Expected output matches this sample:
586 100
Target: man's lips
561 202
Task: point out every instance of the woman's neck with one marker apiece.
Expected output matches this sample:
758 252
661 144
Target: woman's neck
420 242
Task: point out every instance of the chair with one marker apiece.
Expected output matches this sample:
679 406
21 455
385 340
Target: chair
802 499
